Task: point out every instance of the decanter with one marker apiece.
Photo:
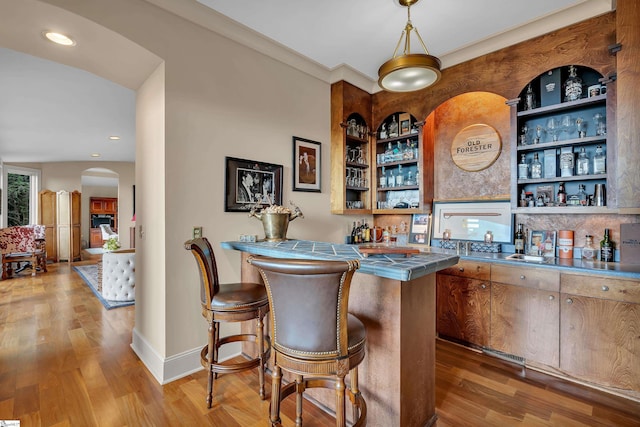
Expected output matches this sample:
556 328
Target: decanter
572 86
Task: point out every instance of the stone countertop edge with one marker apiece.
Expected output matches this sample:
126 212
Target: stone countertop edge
396 267
573 265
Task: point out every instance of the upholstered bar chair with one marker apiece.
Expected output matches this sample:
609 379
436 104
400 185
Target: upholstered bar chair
313 335
234 302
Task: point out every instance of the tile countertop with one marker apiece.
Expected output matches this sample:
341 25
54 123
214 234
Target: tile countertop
574 265
396 267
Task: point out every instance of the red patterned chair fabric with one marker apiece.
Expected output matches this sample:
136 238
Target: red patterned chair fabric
21 244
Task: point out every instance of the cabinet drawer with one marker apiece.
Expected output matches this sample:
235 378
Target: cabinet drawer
625 290
472 269
537 278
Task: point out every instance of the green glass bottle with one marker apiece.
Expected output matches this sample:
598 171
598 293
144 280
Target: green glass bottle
607 247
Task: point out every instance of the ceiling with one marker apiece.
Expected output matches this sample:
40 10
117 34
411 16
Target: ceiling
51 112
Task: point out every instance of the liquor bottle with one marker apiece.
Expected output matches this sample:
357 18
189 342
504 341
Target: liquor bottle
562 195
572 86
383 178
599 161
353 233
582 163
606 247
523 167
519 240
588 251
582 195
536 167
399 177
391 180
388 153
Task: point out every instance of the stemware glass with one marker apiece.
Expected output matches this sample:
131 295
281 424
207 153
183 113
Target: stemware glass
553 128
539 132
568 125
581 125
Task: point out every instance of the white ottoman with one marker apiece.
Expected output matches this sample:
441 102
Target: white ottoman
118 275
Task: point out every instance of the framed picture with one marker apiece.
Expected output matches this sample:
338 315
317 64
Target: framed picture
420 229
306 165
542 242
249 183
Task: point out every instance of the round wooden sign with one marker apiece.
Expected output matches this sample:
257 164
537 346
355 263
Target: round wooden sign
476 147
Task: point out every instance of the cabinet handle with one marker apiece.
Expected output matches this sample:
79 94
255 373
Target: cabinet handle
483 286
605 288
522 277
569 301
460 269
551 297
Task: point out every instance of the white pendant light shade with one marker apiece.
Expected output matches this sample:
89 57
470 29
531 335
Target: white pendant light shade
409 71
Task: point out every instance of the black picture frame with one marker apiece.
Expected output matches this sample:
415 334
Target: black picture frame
307 164
263 179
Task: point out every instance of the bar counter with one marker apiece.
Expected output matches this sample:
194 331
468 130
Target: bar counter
394 296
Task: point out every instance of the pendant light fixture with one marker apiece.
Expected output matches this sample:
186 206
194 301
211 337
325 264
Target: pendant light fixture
409 71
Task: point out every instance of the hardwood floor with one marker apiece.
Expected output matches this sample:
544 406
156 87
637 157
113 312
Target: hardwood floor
66 361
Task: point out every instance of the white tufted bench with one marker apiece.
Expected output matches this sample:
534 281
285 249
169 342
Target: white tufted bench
118 275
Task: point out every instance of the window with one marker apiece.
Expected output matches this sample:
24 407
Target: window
20 195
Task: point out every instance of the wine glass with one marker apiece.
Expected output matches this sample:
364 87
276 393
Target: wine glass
568 125
554 128
601 124
539 132
581 125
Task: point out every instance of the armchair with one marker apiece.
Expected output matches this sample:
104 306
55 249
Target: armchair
107 232
22 244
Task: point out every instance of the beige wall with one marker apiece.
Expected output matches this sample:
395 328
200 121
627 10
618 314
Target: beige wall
221 99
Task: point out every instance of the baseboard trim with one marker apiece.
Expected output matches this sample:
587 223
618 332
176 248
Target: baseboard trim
166 370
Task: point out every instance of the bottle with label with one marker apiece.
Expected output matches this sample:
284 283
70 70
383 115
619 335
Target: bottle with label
562 195
599 161
582 163
582 195
353 233
523 167
399 177
383 178
588 251
572 86
519 240
536 167
606 247
391 180
388 153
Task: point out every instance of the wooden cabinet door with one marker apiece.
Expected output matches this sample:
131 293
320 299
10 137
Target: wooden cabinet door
110 205
96 206
525 322
600 341
95 238
462 308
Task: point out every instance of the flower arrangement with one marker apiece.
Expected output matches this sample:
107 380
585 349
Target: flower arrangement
111 244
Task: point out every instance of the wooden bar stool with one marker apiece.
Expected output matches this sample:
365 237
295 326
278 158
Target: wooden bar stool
314 337
233 302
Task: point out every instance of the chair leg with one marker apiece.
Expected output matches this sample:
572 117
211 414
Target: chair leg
299 393
340 406
260 335
211 350
216 340
276 384
355 392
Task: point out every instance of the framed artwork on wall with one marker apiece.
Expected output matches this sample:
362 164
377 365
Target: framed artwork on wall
250 183
420 229
306 165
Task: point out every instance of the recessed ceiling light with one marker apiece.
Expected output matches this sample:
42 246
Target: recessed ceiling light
59 38
114 137
95 155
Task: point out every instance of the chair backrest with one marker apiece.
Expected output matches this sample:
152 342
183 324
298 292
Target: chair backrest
308 303
107 232
18 239
209 284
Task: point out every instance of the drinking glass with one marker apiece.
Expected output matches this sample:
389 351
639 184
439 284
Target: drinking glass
553 128
568 125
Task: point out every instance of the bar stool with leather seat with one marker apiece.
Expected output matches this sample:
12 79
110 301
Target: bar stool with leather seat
313 335
233 302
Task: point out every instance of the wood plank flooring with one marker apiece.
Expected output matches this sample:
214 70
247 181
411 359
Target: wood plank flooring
66 361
